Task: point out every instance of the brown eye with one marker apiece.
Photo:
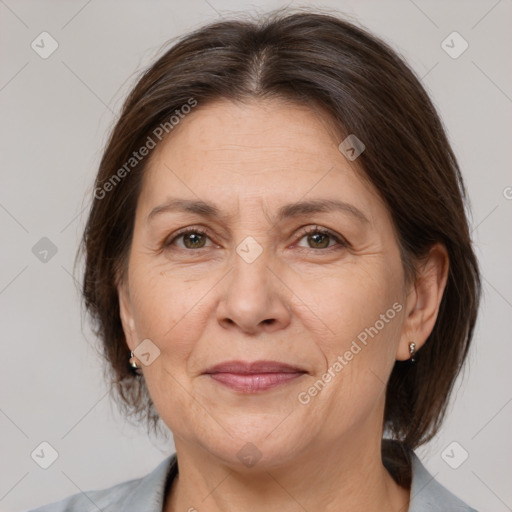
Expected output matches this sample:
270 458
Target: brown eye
194 240
191 239
318 238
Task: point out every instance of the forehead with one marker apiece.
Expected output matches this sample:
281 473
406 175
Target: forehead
272 149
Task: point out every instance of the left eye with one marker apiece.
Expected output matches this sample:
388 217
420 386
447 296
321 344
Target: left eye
320 238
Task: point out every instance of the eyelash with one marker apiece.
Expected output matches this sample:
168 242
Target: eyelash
310 230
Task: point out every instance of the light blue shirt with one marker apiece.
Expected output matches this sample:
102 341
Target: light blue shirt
146 494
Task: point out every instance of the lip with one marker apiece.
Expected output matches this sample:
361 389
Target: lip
255 367
254 377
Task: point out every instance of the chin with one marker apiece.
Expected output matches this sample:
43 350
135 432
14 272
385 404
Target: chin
249 449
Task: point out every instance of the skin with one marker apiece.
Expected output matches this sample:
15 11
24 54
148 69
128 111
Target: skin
302 301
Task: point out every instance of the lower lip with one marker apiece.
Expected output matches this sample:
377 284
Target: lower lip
253 383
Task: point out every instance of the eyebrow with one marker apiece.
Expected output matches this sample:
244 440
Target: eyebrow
292 210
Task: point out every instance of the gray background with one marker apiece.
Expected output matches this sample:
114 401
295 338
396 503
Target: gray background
55 115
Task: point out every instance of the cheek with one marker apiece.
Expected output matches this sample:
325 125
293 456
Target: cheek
165 307
356 301
363 313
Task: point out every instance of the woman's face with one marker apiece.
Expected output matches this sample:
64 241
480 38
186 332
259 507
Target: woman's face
264 282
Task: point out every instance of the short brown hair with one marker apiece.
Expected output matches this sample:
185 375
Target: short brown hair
368 90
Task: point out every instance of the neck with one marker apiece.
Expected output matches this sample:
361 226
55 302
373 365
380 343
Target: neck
348 476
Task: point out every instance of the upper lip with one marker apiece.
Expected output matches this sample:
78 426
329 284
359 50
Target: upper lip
246 367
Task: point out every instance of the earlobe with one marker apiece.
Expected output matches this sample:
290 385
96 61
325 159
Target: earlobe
125 312
424 300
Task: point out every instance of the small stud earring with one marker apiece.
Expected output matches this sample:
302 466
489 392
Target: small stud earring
412 351
133 364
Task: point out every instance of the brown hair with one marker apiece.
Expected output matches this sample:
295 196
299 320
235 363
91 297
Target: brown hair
321 60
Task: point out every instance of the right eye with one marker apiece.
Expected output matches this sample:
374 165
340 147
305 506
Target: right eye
192 238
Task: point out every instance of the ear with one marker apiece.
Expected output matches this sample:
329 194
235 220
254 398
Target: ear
423 300
125 312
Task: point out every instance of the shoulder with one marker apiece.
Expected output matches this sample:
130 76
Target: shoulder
428 495
129 496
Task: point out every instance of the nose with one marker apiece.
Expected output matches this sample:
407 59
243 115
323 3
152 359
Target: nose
254 298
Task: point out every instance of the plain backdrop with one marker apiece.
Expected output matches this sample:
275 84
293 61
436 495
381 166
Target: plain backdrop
55 116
